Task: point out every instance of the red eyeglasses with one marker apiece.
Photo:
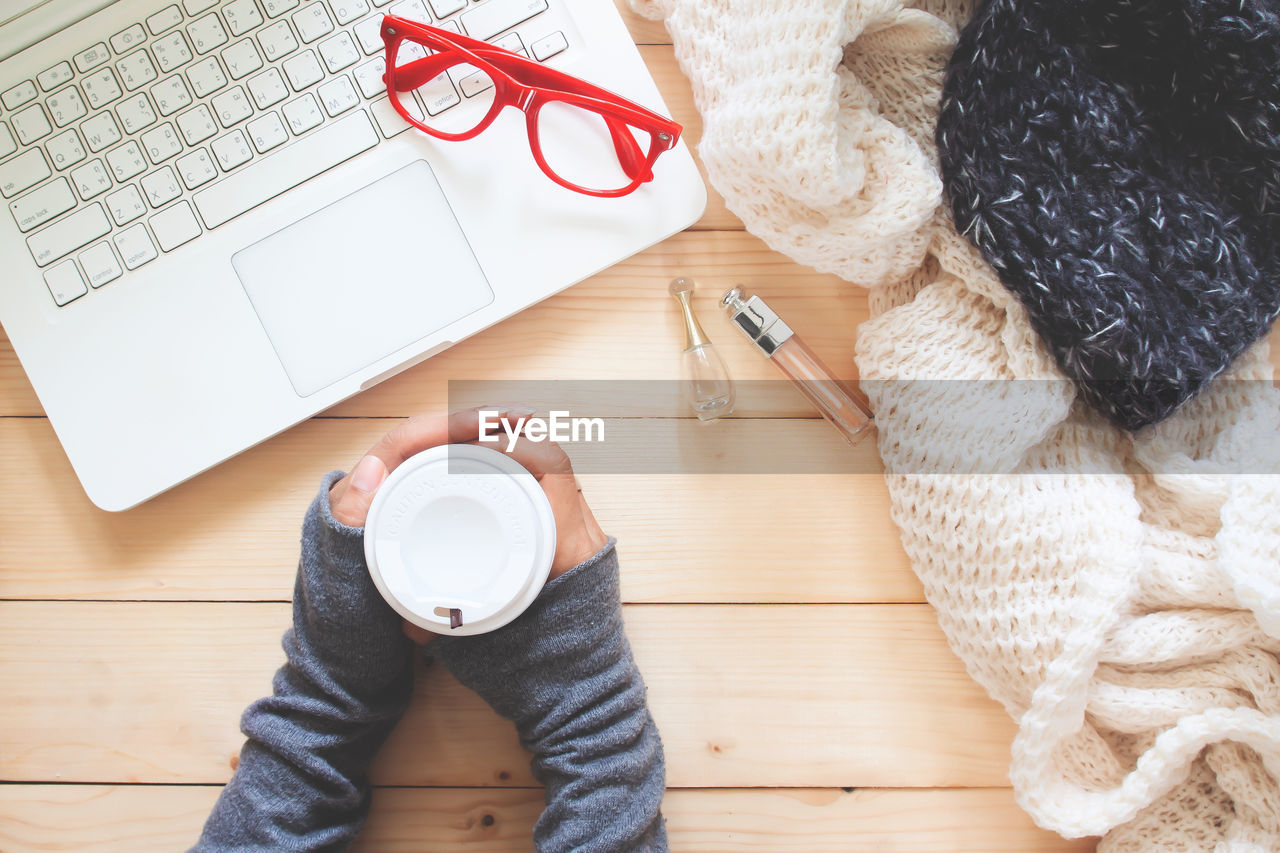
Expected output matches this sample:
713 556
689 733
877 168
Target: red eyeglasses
584 138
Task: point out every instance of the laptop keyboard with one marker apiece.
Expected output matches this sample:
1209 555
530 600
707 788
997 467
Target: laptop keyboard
144 141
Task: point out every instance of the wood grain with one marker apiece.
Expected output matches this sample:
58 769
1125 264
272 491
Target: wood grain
232 534
142 819
744 695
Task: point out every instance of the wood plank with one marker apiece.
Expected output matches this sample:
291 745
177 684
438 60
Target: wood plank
232 533
744 696
643 30
104 819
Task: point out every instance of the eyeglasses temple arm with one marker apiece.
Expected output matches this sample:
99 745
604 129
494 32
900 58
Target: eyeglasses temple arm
630 156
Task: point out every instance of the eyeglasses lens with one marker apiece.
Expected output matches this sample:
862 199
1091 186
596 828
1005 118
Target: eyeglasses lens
589 150
581 146
454 95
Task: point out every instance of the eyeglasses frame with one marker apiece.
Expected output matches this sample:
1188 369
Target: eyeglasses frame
540 85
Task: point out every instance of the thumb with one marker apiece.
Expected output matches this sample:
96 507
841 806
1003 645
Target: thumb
354 493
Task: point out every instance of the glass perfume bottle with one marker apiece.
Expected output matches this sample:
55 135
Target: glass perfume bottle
709 388
845 408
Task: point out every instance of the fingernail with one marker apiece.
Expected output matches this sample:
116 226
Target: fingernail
368 474
518 411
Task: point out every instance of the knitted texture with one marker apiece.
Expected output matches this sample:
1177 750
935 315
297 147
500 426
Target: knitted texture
1117 595
1119 164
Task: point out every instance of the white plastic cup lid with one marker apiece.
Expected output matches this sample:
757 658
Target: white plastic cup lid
460 539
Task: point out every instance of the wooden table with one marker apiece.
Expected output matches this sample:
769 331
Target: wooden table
806 697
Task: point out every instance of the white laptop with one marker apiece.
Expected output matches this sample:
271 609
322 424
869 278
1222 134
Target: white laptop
217 226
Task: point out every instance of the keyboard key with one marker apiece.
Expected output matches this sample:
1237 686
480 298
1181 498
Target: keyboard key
369 77
369 34
338 95
276 8
277 40
510 42
126 204
241 59
338 52
124 40
100 264
8 144
101 88
174 226
91 179
347 11
486 21
31 124
303 114
391 122
91 57
39 206
100 132
207 33
65 283
195 7
445 8
545 48
23 93
52 78
474 84
135 246
267 88
65 149
281 171
135 113
161 187
66 235
232 106
196 169
381 3
312 22
171 52
242 16
197 125
66 106
170 95
206 77
126 161
23 172
136 70
303 70
414 10
267 132
161 143
164 20
438 94
231 151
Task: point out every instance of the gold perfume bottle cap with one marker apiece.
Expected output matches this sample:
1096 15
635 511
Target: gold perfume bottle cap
682 290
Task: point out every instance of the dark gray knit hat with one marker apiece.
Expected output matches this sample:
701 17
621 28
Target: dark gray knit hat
1118 164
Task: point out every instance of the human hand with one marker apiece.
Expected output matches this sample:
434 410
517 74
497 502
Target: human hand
350 497
578 535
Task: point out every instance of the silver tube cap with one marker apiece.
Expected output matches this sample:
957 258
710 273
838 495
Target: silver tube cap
757 321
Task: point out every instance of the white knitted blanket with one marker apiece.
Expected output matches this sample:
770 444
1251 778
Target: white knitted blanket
1119 596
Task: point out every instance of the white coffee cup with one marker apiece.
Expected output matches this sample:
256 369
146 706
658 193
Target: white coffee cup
460 539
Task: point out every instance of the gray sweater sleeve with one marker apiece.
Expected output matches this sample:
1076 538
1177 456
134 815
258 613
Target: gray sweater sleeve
562 671
301 782
564 674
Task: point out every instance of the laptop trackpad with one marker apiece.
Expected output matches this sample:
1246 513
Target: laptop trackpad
362 278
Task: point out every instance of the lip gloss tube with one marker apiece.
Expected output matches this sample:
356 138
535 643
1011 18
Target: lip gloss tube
847 409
